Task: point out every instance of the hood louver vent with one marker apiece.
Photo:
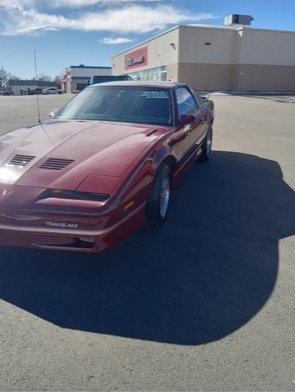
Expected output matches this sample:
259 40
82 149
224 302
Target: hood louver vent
56 164
21 160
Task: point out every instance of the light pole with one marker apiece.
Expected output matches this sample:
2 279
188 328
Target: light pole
2 76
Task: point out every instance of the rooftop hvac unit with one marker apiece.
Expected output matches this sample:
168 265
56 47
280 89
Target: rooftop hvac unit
238 19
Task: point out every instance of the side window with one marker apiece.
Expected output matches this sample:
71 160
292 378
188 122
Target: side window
185 102
200 100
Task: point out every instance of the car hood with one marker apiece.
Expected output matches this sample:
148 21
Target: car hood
61 154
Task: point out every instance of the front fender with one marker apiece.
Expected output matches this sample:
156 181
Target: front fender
159 156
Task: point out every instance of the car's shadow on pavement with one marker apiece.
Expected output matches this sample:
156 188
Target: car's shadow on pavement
205 274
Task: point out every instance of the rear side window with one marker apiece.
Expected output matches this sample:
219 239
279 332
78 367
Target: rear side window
200 100
185 102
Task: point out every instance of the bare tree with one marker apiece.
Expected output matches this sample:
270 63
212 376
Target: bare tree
5 77
42 76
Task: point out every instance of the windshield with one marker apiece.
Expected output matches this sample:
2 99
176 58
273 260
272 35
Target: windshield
139 104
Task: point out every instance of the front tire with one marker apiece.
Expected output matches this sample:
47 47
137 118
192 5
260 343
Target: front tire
159 197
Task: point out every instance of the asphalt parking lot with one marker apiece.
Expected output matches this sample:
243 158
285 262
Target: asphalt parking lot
206 303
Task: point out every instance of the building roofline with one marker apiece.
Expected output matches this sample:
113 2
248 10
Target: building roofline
89 66
270 30
80 77
235 27
31 82
146 41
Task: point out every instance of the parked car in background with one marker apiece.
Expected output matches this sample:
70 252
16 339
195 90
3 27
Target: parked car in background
102 167
35 91
4 91
51 90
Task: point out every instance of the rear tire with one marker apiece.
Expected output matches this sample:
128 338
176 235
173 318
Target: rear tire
159 198
207 146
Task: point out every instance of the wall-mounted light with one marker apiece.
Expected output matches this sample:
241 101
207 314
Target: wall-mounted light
173 45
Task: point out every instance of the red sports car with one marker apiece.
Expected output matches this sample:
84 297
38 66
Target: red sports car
102 167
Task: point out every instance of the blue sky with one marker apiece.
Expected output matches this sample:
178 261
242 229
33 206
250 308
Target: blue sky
89 32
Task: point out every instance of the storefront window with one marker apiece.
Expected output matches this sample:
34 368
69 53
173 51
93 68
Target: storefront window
159 73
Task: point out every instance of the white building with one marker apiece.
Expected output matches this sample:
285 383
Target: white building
232 57
27 87
76 77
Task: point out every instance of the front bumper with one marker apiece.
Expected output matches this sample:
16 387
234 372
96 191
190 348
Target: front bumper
66 238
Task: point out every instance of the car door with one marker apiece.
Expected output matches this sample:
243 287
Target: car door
189 134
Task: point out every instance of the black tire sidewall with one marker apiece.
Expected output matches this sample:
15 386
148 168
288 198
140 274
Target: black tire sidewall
205 155
152 211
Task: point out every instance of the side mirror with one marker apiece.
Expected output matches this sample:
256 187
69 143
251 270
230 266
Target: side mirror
205 97
186 119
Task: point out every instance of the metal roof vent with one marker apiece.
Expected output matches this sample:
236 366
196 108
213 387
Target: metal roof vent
238 19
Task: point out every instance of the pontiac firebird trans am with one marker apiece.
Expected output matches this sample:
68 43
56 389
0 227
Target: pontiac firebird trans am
102 167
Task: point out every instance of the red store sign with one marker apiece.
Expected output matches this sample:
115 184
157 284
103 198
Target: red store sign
135 59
